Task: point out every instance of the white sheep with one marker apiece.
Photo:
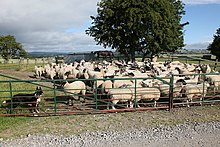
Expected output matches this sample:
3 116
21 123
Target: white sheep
95 74
106 86
121 82
51 73
38 71
120 95
75 88
103 89
191 91
214 80
146 94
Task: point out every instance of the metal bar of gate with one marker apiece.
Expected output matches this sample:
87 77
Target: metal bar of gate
171 93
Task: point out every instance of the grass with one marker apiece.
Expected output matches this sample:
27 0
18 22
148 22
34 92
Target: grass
16 127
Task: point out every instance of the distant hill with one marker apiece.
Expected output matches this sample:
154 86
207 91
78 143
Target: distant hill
45 54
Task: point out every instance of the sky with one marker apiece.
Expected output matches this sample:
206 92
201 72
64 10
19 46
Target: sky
59 25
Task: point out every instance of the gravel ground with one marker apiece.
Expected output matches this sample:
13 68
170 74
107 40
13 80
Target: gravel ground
193 134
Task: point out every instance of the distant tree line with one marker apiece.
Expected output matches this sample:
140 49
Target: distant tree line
9 48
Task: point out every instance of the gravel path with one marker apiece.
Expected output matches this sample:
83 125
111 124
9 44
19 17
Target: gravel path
194 134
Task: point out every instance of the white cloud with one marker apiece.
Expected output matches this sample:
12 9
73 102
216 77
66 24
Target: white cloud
42 24
54 25
201 1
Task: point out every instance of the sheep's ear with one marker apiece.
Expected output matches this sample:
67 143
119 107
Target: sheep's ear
37 88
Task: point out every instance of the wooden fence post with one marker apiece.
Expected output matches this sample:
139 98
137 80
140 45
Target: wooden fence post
27 62
215 66
43 61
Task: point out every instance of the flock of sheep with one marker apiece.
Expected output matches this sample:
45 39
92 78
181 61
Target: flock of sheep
133 83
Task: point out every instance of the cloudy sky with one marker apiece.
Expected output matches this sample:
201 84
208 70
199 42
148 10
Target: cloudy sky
59 25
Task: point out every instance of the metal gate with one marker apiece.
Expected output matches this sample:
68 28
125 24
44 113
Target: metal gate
57 101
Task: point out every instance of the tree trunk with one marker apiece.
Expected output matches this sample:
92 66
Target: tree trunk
132 55
143 57
151 57
6 61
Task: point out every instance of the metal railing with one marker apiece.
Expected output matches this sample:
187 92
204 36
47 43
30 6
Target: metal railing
56 101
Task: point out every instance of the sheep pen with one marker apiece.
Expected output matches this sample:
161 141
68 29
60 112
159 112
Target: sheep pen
101 79
109 126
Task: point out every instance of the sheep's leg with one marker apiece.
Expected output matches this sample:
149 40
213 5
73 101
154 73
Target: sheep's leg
113 107
83 95
114 102
70 101
136 102
187 103
131 104
127 104
200 101
79 98
216 89
83 100
108 105
155 103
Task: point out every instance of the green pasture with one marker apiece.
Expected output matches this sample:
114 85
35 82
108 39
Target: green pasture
24 64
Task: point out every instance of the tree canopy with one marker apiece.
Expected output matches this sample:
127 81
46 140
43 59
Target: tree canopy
9 47
214 47
146 26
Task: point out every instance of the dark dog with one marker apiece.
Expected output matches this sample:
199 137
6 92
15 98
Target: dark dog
27 99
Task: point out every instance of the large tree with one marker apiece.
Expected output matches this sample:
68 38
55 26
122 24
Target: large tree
146 26
9 47
214 47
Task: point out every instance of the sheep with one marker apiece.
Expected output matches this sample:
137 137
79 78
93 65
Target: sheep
74 88
103 89
164 88
120 95
146 94
205 68
38 71
95 74
106 85
186 80
154 58
214 80
118 83
70 76
51 73
191 91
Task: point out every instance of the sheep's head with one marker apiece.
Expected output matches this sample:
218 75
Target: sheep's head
147 83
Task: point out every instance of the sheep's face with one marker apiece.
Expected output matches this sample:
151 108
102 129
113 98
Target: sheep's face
207 84
86 75
147 83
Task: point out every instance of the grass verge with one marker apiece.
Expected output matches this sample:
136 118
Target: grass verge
16 127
